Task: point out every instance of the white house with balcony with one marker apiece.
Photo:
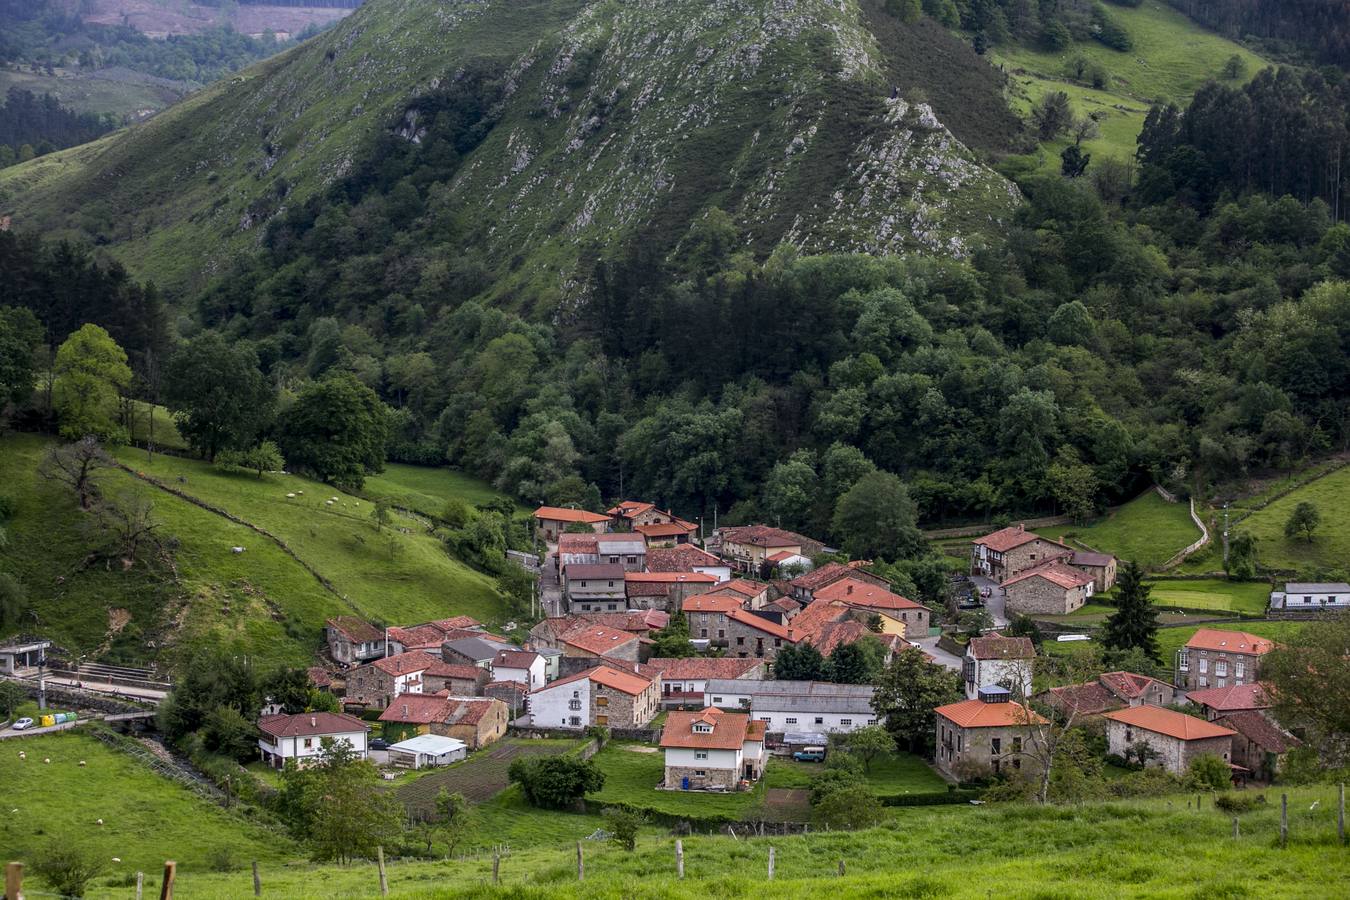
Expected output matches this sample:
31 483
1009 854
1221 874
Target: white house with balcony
300 737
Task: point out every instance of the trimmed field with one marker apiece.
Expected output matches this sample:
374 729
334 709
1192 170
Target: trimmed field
479 777
631 777
1147 530
425 489
1246 597
146 818
891 773
1330 546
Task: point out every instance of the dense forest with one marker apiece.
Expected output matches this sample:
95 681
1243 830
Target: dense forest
1051 24
1321 28
32 125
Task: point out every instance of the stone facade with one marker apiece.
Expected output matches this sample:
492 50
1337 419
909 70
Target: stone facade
489 727
456 685
1038 595
1201 669
1174 754
964 752
369 686
615 709
745 641
724 779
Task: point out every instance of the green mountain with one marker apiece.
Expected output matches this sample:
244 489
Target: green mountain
818 123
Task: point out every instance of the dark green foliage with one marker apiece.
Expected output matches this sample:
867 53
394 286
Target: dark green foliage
555 782
228 733
67 867
841 799
799 662
1209 772
856 663
1310 674
1303 521
623 826
1134 624
336 430
337 806
44 124
217 394
1235 804
1052 115
20 336
672 642
910 689
1242 562
1110 32
1073 162
875 519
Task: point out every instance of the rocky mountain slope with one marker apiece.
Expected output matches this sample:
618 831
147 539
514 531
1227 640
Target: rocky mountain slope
614 120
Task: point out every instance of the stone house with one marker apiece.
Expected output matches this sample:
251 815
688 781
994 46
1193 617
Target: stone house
711 750
805 586
429 635
552 521
1218 658
632 513
683 680
746 548
597 588
601 695
1175 738
1008 551
997 660
456 679
665 591
687 558
1259 745
594 641
376 684
707 615
1051 588
987 734
1110 691
899 615
352 641
477 721
1217 702
1101 566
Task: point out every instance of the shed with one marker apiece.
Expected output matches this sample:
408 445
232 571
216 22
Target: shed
427 750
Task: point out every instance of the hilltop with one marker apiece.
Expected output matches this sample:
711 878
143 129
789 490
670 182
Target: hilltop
607 121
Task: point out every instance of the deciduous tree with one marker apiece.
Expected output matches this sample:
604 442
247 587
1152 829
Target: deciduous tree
1303 521
909 690
91 373
336 430
218 395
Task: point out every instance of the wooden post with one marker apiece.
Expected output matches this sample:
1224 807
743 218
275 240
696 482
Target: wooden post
1197 801
771 862
166 889
679 858
1284 819
581 863
1237 831
1340 814
140 884
379 861
257 880
841 868
496 865
14 881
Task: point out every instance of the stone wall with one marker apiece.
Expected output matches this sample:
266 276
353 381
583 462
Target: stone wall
369 686
977 749
712 778
623 710
1029 554
1174 754
1038 595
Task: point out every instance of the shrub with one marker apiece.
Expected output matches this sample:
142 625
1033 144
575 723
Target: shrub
221 860
556 782
67 868
1208 771
623 825
1238 803
852 806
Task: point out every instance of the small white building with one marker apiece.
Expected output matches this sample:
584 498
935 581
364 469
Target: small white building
795 705
995 659
427 750
1303 595
525 666
711 750
300 737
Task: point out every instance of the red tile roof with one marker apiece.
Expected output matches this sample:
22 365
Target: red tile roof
310 724
817 615
464 672
782 556
354 629
561 514
579 543
978 714
598 639
1260 730
744 586
626 682
1232 698
996 646
1088 699
1055 572
836 634
425 709
665 529
761 536
761 624
407 663
783 604
671 577
714 602
1169 722
860 593
1006 539
630 508
821 576
681 558
1231 641
319 676
697 668
729 731
515 659
1127 684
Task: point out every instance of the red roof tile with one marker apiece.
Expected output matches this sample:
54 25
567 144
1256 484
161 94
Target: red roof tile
310 724
1169 722
978 714
407 663
681 558
1231 641
630 508
1232 698
560 514
629 683
761 536
665 529
996 646
729 731
860 593
744 587
1260 730
1127 684
671 577
714 602
1055 572
598 639
1006 539
696 668
760 623
576 544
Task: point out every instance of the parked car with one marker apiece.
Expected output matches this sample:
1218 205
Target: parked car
23 723
810 754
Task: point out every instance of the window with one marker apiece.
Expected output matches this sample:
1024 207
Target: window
309 742
602 720
700 754
1222 682
1017 745
703 632
602 701
959 741
717 700
1204 682
575 721
845 721
740 641
574 704
612 561
1184 659
790 720
997 745
1221 667
766 718
904 617
820 720
871 721
1204 665
778 642
1129 735
1239 668
611 584
632 560
1307 599
1017 763
612 607
700 773
721 632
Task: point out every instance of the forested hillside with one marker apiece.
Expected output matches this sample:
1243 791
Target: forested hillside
1319 28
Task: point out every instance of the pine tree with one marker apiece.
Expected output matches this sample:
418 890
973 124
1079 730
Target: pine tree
1134 624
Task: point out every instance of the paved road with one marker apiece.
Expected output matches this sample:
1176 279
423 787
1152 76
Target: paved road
29 732
550 591
995 604
149 695
950 660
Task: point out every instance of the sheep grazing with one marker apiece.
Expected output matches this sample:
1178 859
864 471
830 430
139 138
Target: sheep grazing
82 764
47 759
98 821
22 755
117 859
290 496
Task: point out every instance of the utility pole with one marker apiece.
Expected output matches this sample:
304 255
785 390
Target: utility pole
1225 533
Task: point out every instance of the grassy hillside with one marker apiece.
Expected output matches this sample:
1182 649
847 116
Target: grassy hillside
616 120
119 92
1148 530
260 602
1138 849
1330 546
1172 57
425 489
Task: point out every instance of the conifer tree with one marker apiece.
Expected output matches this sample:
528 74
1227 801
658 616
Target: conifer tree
1134 624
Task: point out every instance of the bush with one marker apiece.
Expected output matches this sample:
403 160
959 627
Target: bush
623 825
555 782
67 868
1238 803
853 806
1208 771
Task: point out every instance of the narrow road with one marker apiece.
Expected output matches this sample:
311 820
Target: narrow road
550 591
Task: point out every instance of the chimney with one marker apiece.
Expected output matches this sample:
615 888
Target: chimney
405 710
850 589
313 722
1021 527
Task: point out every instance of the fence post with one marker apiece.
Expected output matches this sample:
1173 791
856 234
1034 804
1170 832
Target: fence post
771 862
679 858
257 880
1284 819
1340 814
166 889
841 868
14 881
1237 832
379 861
140 884
496 865
581 863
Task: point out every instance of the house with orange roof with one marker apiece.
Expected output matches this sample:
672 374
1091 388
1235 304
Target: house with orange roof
377 683
712 750
899 615
600 640
667 534
300 737
687 558
1234 698
1215 657
1174 739
552 521
601 695
477 721
1008 551
632 513
666 591
1109 691
683 680
1052 587
987 734
805 586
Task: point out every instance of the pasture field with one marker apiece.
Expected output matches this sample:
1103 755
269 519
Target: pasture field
425 489
481 776
1330 547
1147 530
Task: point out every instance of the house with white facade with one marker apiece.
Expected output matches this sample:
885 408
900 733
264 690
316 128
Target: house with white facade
712 750
300 737
795 705
601 695
1305 596
525 666
995 659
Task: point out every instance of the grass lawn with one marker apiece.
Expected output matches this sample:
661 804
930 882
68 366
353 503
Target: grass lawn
891 773
1135 849
399 575
1247 597
1330 547
631 777
1148 530
146 817
425 489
